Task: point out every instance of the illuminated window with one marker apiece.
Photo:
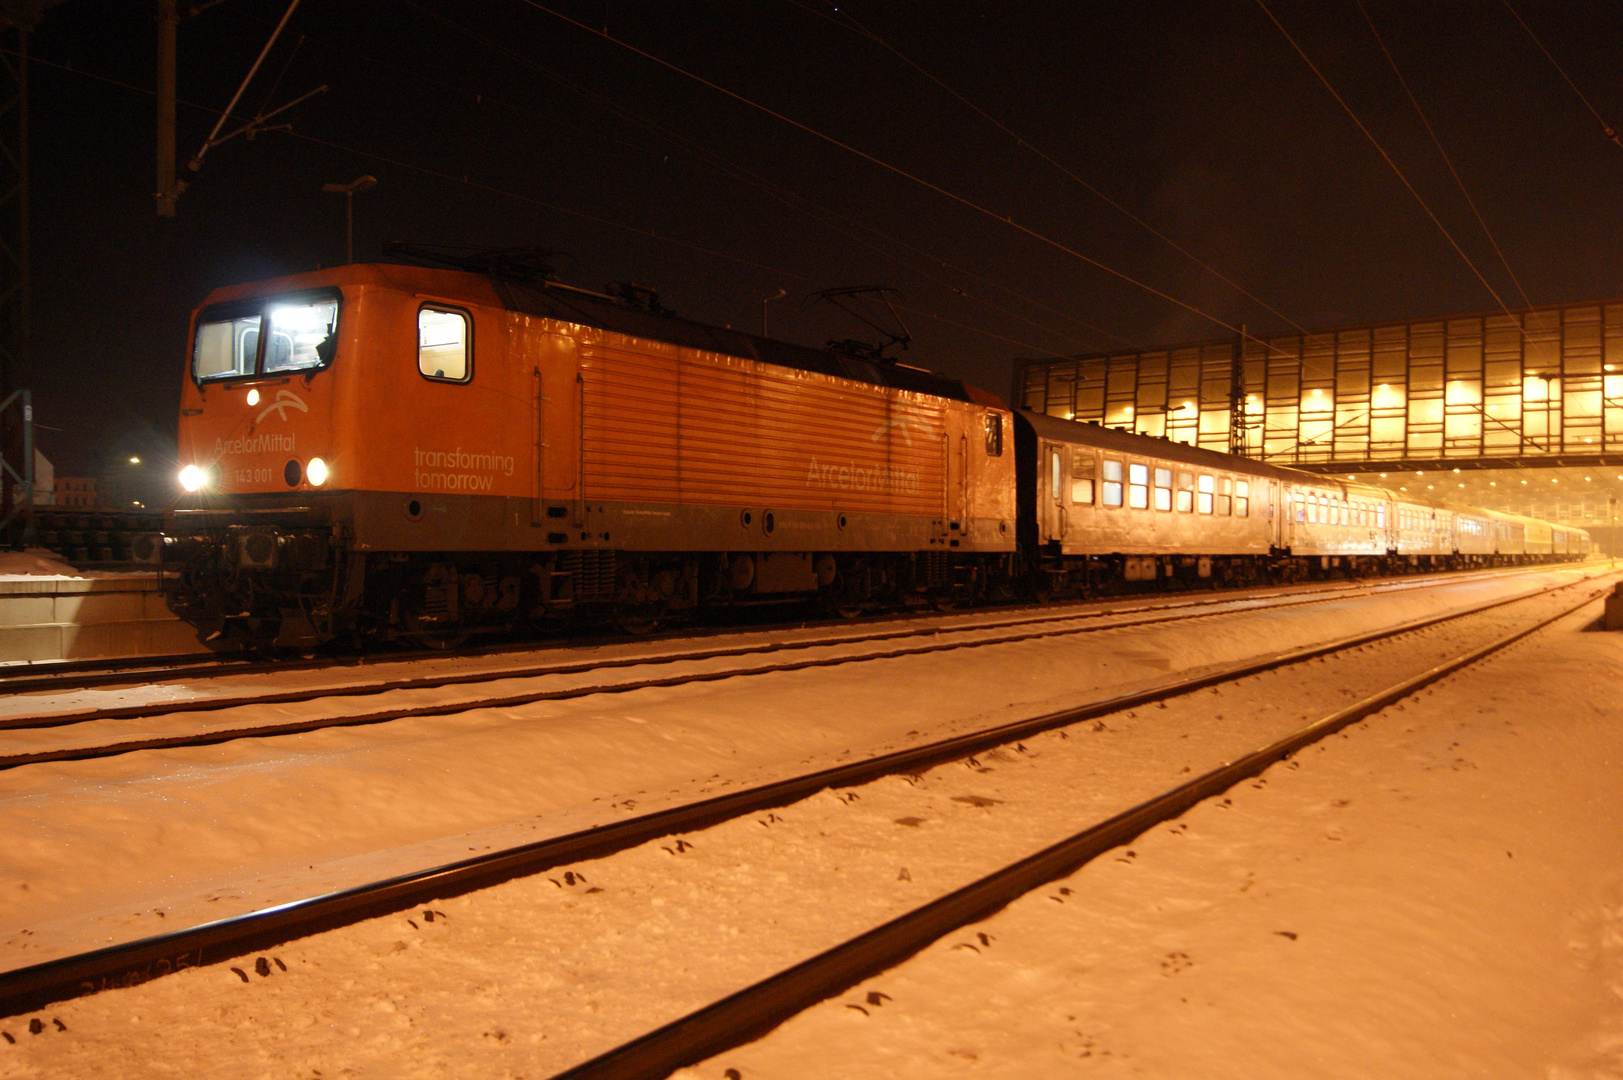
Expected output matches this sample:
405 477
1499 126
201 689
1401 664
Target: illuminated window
302 335
1186 493
1312 509
1083 464
1112 483
1225 496
1242 498
442 344
1138 486
1055 471
1163 489
1203 501
1301 507
994 434
226 347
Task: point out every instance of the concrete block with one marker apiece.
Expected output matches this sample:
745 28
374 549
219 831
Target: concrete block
1614 611
24 610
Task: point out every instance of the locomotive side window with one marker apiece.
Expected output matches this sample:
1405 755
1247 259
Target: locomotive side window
1138 486
442 344
1225 496
1112 483
302 335
1242 498
1204 500
1082 468
1186 492
1163 489
994 434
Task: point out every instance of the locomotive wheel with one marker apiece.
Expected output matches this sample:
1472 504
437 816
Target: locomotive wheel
440 640
638 621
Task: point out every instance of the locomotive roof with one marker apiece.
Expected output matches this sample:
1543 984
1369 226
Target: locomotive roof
609 313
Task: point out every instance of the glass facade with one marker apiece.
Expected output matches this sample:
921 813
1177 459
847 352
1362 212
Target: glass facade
1531 386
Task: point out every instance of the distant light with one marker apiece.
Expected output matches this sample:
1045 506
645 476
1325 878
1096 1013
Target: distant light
1493 483
1462 485
316 470
1316 393
1456 470
253 397
1524 481
1587 479
1383 476
134 460
1420 474
1428 487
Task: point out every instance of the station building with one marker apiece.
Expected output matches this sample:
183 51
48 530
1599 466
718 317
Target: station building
1518 410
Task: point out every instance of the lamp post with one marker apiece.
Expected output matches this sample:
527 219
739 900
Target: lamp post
348 191
778 294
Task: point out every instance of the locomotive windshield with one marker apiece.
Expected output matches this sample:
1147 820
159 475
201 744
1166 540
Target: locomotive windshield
303 331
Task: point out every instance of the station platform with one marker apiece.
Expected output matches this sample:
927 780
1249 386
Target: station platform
50 617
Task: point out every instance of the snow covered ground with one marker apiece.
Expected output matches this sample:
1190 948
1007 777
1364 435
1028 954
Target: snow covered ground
1438 894
537 974
121 847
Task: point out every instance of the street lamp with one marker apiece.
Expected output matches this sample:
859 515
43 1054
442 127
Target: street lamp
348 191
777 294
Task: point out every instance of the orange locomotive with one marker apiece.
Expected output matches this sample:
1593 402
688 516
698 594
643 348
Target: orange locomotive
419 452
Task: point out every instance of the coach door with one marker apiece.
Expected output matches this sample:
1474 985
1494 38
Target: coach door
1051 493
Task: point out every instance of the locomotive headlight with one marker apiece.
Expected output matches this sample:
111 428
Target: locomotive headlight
253 398
316 471
192 478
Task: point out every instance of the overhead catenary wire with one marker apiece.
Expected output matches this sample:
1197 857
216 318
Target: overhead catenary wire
794 200
1447 160
1435 220
851 23
467 181
1611 132
1238 331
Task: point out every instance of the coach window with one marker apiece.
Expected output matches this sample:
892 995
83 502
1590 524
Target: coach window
1301 512
1380 515
994 434
1312 509
1083 465
443 344
1203 501
1112 483
1186 493
1225 496
1138 486
1242 498
1163 489
1055 471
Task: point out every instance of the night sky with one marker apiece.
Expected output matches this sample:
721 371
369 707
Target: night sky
496 123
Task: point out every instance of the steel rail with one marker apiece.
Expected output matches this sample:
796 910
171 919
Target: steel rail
215 736
66 717
755 1010
134 962
61 675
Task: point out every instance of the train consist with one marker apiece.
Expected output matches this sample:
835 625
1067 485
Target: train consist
414 452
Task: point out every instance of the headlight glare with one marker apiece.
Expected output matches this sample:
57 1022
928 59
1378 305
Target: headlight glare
316 471
192 478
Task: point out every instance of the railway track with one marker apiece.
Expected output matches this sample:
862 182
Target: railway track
101 731
134 962
59 676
